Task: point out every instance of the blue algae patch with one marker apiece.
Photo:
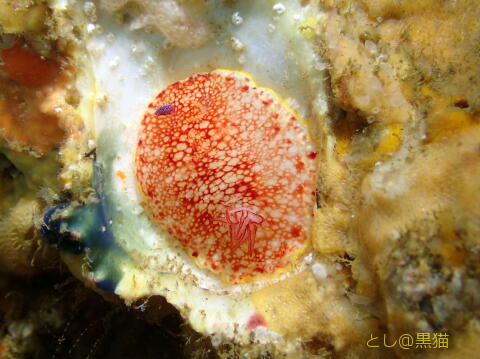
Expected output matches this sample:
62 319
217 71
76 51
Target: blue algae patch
87 230
107 285
52 233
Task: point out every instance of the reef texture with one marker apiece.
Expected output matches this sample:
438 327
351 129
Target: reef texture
179 21
397 225
399 190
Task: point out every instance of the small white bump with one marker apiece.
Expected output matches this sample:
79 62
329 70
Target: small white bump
319 271
237 45
309 258
90 28
89 9
114 63
242 59
237 19
279 8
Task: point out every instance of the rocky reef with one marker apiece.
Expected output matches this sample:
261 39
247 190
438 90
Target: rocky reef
355 122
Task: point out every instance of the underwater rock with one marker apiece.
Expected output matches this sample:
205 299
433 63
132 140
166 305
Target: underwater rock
373 197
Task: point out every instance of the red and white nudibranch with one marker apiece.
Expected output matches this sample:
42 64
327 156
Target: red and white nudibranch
229 170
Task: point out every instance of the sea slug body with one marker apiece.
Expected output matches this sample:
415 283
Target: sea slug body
227 169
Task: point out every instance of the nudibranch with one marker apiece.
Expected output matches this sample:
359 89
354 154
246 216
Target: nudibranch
228 169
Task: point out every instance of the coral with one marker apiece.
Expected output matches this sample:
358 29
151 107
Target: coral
436 41
30 20
182 25
398 187
17 240
22 16
34 96
424 237
331 316
56 316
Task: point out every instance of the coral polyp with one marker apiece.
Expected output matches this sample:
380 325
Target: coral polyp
226 168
